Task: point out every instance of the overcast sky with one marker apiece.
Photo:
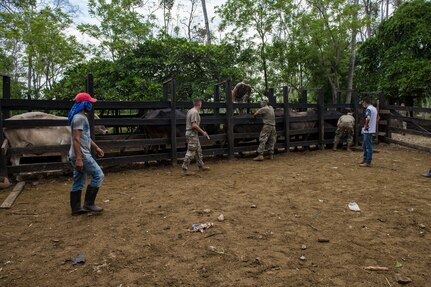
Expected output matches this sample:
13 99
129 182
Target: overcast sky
180 9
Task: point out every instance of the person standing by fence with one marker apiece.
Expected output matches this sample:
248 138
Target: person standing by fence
194 149
81 159
345 127
367 131
268 134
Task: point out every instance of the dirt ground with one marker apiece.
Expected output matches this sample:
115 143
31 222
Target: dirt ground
142 238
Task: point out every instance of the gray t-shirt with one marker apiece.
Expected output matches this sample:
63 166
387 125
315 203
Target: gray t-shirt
80 122
192 117
268 115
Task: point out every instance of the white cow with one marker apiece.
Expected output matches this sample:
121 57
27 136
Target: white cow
41 136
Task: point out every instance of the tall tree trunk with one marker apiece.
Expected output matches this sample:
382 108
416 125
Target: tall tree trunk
207 25
29 78
387 9
352 59
264 64
367 7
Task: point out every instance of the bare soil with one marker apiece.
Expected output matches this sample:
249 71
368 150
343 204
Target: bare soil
143 237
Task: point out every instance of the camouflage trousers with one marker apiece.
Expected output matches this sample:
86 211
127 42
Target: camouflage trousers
194 150
267 139
343 131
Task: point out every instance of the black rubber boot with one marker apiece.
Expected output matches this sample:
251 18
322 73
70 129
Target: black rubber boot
75 203
90 197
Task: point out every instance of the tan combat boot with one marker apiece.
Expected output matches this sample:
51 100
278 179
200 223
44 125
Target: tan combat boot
204 168
348 147
271 156
258 158
335 145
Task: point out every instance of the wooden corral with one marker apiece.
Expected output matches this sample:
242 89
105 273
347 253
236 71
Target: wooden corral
133 146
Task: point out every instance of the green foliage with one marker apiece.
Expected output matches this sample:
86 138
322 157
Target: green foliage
398 59
139 75
121 28
36 46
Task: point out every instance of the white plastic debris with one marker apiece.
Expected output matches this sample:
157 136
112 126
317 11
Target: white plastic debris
353 206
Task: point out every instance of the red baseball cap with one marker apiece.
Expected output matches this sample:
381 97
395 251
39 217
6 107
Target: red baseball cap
82 97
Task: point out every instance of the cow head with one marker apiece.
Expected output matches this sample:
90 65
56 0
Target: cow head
99 130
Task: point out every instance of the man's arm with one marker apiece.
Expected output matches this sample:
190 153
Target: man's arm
257 112
367 122
98 150
196 127
77 148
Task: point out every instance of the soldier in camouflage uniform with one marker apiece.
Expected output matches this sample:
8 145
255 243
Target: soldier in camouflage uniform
345 127
268 135
194 150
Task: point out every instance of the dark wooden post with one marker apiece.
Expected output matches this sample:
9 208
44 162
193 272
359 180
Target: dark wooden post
355 107
286 119
271 97
174 122
229 120
216 99
89 87
4 114
6 95
303 99
321 109
165 92
382 106
338 99
3 166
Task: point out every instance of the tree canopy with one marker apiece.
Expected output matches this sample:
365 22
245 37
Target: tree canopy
308 44
397 60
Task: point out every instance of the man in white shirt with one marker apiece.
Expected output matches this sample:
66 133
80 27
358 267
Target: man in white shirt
368 130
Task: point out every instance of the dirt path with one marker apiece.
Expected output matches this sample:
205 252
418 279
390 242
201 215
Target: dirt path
142 239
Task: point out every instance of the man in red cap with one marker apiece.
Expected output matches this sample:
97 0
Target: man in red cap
80 156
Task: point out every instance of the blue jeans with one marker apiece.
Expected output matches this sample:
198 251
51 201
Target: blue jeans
367 146
90 167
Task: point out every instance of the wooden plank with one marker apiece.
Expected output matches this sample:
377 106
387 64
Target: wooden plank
229 120
303 106
39 167
4 147
173 123
413 146
411 132
3 166
19 187
15 104
356 116
286 118
321 111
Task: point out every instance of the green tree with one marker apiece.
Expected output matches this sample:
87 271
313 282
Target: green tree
121 27
397 60
36 47
139 75
252 20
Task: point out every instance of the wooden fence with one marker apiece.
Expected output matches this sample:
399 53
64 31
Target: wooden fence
218 112
404 120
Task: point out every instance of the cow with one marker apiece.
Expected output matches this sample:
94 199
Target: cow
164 131
40 136
252 127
